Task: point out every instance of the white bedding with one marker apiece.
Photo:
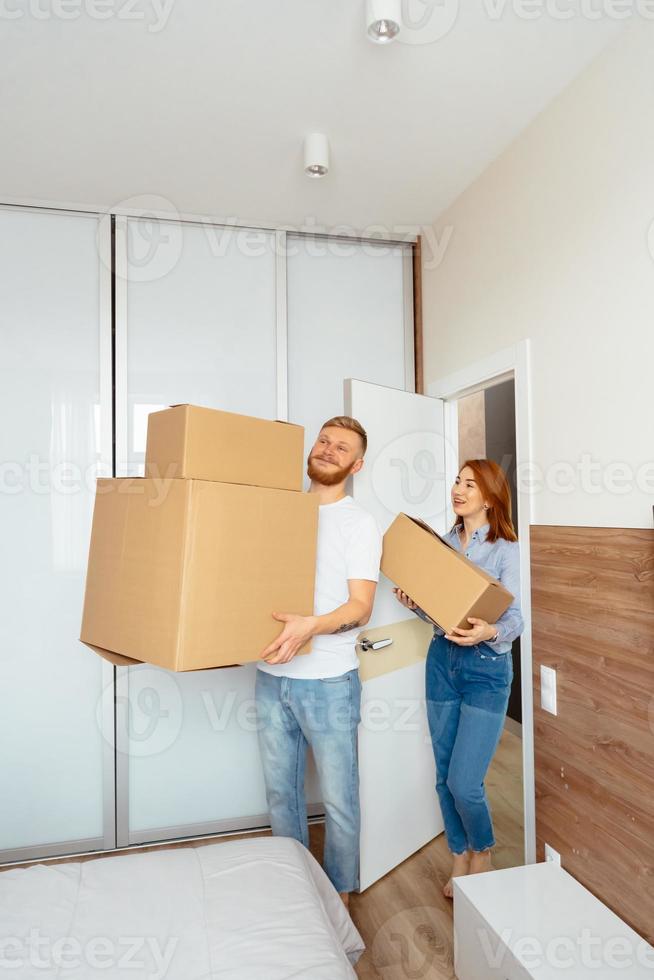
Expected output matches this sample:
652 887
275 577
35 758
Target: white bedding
258 909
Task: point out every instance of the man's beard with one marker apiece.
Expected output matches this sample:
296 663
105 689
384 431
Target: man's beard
327 478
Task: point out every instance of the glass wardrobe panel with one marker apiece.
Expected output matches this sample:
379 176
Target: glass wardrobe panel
203 331
346 306
51 744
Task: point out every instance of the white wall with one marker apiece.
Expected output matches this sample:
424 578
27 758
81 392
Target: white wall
551 244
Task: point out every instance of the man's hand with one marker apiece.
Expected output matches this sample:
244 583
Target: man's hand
481 631
297 630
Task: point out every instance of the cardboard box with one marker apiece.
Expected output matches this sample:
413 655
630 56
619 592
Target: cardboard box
442 581
188 442
185 574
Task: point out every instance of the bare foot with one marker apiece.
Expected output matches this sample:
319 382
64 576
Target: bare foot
480 861
460 866
345 898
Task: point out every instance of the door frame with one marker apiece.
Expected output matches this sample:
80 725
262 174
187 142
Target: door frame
511 363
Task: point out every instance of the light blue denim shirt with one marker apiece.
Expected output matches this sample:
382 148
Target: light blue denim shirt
501 559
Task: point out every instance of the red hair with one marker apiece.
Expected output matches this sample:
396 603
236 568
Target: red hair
494 488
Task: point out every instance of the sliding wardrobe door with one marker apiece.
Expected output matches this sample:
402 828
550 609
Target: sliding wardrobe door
350 315
55 436
202 331
196 323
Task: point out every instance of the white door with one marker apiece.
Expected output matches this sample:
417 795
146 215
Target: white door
404 472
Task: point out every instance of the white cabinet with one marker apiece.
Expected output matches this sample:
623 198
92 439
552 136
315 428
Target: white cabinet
539 922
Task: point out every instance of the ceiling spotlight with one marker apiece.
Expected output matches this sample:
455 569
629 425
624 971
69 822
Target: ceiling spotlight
316 155
383 20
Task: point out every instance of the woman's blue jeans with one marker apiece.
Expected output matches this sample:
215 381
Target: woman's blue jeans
467 696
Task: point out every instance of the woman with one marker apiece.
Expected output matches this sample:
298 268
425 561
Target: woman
469 671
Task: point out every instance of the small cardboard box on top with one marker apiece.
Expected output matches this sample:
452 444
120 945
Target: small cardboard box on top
189 442
185 574
443 582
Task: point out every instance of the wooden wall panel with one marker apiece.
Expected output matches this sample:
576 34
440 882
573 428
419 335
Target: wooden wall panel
593 621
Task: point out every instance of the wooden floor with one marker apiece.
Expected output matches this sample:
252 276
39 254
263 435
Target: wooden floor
405 921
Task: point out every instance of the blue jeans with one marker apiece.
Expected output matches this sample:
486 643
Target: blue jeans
467 696
291 714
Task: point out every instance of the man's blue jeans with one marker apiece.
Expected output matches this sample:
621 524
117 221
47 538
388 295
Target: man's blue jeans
291 714
467 696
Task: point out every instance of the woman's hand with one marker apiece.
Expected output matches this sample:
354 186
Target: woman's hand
404 599
481 631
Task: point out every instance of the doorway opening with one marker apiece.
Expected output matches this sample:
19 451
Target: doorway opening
486 430
487 414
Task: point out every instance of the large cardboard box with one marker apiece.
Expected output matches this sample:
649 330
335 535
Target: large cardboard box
185 574
189 442
446 584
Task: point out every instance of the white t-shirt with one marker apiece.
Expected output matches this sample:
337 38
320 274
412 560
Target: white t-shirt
349 546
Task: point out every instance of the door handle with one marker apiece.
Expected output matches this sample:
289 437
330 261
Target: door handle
374 645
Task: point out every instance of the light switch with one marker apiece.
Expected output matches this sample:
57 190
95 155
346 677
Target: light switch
548 689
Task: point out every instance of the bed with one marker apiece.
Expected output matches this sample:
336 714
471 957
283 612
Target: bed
257 909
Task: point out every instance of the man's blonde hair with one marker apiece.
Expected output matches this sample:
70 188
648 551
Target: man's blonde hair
346 422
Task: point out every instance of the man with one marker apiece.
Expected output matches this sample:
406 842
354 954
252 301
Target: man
315 698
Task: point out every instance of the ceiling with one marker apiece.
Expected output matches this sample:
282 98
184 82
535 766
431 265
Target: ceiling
206 104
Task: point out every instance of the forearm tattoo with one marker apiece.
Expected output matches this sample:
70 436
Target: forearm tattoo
346 626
